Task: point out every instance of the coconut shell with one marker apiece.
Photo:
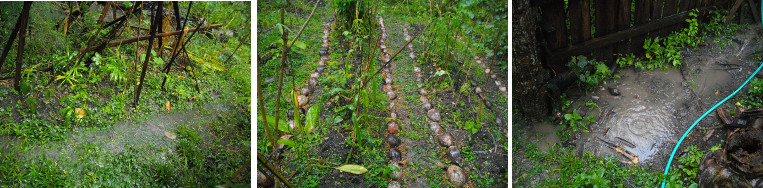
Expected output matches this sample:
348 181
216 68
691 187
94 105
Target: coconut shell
445 140
393 115
502 88
456 175
393 184
487 71
306 90
391 95
478 90
312 82
302 100
392 127
398 174
455 155
387 88
290 113
319 69
422 92
416 69
435 127
393 141
433 115
424 99
394 155
264 180
315 75
388 80
426 106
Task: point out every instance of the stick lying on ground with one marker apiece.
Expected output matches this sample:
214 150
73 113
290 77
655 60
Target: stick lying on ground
620 150
146 37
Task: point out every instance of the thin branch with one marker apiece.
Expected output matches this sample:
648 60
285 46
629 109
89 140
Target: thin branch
264 161
304 25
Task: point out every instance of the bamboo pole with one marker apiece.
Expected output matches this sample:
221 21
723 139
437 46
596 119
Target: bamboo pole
146 37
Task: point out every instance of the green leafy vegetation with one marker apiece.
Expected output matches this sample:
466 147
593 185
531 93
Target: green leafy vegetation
590 73
574 123
75 121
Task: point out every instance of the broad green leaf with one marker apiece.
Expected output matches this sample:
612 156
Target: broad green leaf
300 45
287 142
312 117
282 126
351 168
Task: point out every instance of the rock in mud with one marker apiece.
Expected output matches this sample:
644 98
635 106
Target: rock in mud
312 82
435 127
393 141
290 113
394 155
503 89
302 100
392 127
456 175
445 140
416 69
264 180
613 91
478 90
393 115
433 115
391 95
397 174
455 155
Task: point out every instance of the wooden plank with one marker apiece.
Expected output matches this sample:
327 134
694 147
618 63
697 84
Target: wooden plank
733 10
670 8
606 12
623 22
600 42
580 20
554 25
754 8
684 5
643 15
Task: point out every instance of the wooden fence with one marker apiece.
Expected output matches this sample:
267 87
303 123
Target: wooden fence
603 28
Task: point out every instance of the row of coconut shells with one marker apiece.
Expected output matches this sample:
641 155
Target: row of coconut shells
393 142
497 81
455 174
266 179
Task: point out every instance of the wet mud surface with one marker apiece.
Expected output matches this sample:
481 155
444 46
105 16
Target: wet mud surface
655 108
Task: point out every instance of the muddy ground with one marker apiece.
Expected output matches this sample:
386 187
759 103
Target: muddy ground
655 107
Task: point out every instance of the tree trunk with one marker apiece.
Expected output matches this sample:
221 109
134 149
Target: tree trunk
529 93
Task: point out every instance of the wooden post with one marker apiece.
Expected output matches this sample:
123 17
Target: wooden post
554 25
12 36
580 20
21 31
152 31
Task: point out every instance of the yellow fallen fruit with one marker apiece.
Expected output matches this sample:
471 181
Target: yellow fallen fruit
80 112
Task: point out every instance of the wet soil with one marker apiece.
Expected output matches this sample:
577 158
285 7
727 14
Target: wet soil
655 107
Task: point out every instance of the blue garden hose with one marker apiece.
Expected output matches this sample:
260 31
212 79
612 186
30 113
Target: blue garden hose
667 167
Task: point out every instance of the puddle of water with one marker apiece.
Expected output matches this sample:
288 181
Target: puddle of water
644 126
544 136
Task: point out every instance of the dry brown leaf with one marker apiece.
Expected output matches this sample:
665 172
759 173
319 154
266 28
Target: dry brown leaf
80 112
169 135
168 106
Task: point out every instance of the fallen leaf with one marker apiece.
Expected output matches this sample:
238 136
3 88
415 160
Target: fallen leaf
168 106
351 168
80 112
169 135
